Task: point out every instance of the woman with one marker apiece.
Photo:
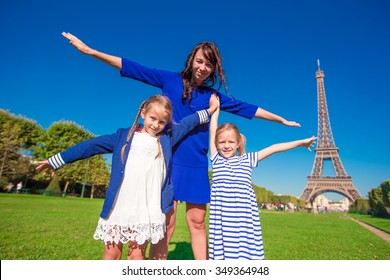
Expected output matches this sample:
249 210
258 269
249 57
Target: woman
188 91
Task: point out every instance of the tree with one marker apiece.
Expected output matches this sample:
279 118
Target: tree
385 187
99 173
360 205
59 137
375 200
9 149
54 187
275 199
18 136
262 194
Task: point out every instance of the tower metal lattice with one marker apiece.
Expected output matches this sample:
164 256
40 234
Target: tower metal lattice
326 150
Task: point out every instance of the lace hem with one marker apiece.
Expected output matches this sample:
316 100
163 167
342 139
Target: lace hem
140 233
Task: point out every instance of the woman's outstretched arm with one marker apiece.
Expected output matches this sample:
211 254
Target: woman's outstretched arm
111 60
265 115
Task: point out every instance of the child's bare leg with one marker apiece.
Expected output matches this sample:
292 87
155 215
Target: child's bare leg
136 251
171 222
113 251
159 251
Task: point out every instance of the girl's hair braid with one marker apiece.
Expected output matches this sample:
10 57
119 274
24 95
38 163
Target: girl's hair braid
158 100
131 131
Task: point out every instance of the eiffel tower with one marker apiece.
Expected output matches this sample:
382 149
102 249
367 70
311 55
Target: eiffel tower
327 150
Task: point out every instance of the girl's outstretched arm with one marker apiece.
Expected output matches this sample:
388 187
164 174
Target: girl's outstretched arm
265 115
114 61
281 147
213 129
213 104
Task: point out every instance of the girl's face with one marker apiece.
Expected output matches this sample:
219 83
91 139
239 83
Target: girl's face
201 68
155 119
227 143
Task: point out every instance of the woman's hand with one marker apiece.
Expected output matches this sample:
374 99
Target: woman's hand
290 123
77 43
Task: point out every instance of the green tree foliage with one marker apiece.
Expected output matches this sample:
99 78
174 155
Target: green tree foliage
385 187
62 135
30 132
301 203
260 192
18 137
375 199
54 187
361 206
23 142
9 149
98 173
275 199
288 198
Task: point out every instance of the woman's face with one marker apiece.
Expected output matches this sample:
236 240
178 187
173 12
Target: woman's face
201 68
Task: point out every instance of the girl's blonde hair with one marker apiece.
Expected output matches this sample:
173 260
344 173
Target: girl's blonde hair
155 100
240 137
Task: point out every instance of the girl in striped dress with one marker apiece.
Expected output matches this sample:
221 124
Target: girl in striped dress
235 230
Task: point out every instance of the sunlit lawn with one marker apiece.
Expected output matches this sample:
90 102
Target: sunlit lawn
381 223
36 227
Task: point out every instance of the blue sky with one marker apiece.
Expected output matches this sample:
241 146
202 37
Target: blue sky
270 51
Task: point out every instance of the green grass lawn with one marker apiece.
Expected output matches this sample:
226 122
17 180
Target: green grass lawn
381 223
35 227
330 236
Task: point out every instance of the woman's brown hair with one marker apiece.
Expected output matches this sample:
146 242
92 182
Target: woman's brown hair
211 53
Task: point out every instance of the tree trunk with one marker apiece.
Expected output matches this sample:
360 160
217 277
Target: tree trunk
92 190
65 189
3 163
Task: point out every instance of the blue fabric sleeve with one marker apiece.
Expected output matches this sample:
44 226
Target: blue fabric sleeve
184 127
151 76
94 146
237 107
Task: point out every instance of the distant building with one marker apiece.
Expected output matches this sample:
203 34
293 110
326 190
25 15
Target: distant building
334 206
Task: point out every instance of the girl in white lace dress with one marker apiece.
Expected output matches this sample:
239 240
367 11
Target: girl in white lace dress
234 228
140 191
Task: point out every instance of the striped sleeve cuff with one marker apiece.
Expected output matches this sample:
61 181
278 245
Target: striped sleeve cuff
203 116
56 161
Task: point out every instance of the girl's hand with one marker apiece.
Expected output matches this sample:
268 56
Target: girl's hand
77 43
44 165
213 104
309 142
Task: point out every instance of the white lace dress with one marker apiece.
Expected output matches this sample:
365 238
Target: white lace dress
136 214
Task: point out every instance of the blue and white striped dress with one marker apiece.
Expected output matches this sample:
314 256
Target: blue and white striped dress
234 230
